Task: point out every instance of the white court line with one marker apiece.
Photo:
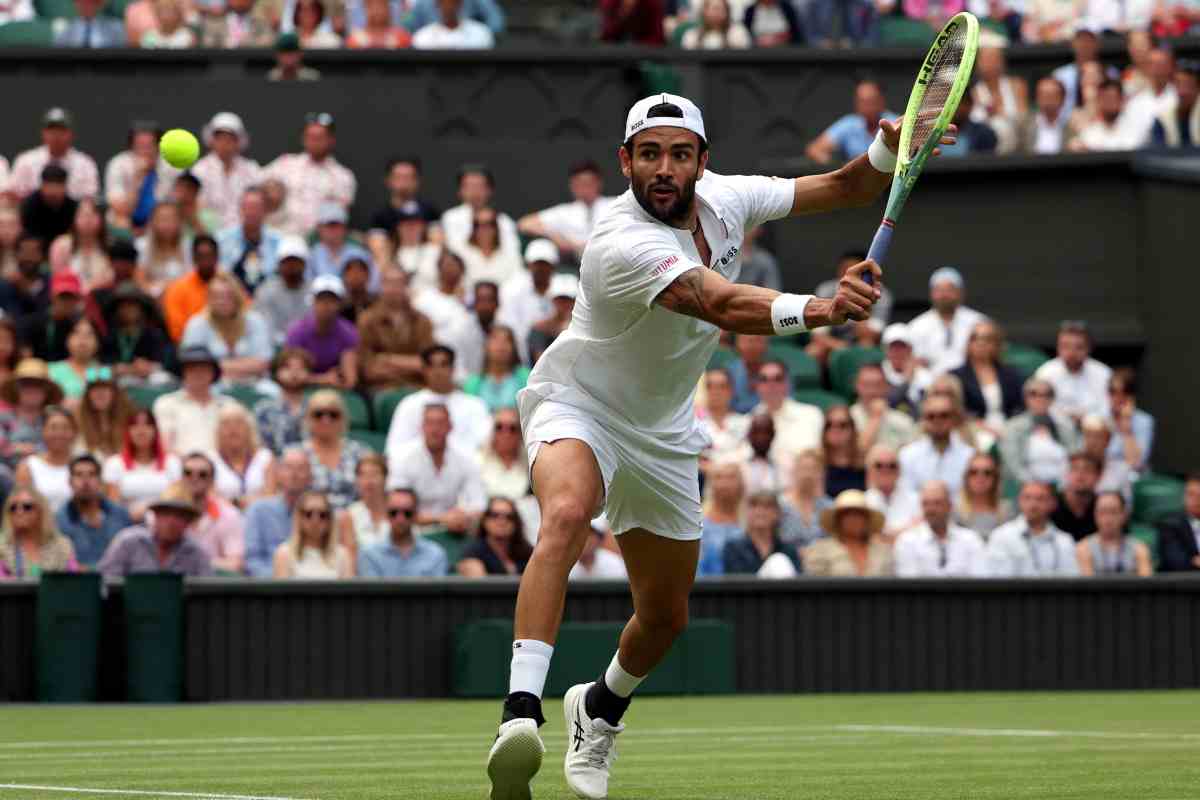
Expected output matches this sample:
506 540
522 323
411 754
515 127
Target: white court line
1011 732
140 792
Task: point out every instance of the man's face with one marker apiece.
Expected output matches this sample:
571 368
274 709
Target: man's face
475 190
122 269
563 306
54 193
85 482
287 60
868 101
198 377
663 170
294 473
403 179
761 434
449 10
292 269
870 384
29 257
253 209
401 509
1086 46
1161 66
898 354
1188 88
1095 441
541 271
585 186
486 303
318 141
935 505
718 390
356 276
170 525
726 481
1191 499
751 348
326 307
1050 97
771 384
393 289
883 469
292 374
439 373
1110 102
197 476
945 296
1073 349
1036 503
332 234
937 418
204 257
1082 475
225 144
57 138
435 428
64 305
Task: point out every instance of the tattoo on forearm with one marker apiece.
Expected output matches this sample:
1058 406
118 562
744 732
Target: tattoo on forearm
685 295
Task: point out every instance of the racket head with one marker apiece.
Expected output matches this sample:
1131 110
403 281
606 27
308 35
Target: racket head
941 81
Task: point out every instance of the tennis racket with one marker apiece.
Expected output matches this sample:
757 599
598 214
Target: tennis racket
941 81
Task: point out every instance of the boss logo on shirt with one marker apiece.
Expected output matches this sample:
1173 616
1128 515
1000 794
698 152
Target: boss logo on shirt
788 322
664 265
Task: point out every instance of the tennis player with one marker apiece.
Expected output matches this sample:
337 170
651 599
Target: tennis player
607 414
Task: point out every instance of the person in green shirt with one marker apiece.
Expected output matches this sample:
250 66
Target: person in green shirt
503 374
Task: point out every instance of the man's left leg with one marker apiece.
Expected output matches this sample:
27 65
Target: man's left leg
661 573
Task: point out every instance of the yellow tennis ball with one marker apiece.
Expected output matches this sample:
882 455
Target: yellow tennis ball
179 148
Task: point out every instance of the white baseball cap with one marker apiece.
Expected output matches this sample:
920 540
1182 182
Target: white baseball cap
327 284
640 120
291 247
541 250
563 285
896 332
946 275
230 123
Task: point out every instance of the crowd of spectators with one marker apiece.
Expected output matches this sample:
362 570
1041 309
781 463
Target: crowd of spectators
209 371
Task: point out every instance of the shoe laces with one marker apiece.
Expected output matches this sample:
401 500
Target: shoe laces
601 750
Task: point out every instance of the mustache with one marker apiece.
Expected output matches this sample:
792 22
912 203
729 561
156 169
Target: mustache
667 182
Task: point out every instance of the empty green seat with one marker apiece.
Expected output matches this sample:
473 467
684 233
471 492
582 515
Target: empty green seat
844 365
1147 535
1155 496
818 397
144 396
1024 359
372 439
29 33
905 32
246 395
49 9
803 368
722 358
452 543
385 406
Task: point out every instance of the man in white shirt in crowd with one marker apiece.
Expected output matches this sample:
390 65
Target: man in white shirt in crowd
1085 45
454 31
187 418
1030 546
1112 129
875 421
472 425
940 454
940 335
312 177
569 225
596 561
798 426
225 174
1143 108
445 478
1080 382
525 297
136 171
58 138
905 375
1045 129
476 187
900 506
938 548
726 428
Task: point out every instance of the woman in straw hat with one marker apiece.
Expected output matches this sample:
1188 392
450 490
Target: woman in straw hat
29 542
28 391
854 547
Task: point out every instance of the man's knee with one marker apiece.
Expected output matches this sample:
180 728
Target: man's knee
566 522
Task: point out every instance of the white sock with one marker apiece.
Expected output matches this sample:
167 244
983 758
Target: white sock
530 663
620 682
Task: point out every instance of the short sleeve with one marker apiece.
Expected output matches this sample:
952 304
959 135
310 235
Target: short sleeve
647 261
762 198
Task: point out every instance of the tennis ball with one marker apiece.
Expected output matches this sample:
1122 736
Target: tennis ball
179 148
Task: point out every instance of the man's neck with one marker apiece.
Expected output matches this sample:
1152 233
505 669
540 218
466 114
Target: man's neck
1038 529
61 154
86 505
252 232
401 198
317 159
403 542
947 315
292 282
291 498
941 531
941 445
438 455
203 396
762 539
773 406
718 415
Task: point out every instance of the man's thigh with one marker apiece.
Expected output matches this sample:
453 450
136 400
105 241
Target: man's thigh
567 468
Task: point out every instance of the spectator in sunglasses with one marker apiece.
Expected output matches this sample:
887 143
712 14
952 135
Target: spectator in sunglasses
220 528
29 542
313 551
331 455
980 506
502 462
899 504
161 546
1036 442
365 521
940 453
402 555
502 548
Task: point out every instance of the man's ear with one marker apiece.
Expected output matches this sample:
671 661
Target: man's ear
626 161
703 165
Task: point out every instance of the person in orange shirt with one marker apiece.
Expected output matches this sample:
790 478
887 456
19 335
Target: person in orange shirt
188 295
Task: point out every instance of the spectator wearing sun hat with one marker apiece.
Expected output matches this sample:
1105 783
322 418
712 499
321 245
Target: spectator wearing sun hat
940 335
224 172
326 336
855 546
161 546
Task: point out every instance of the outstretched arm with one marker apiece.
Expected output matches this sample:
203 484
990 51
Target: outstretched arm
741 308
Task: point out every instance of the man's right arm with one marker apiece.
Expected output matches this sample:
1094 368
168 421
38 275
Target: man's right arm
740 308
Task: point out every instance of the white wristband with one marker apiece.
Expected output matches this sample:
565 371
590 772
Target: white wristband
880 156
787 313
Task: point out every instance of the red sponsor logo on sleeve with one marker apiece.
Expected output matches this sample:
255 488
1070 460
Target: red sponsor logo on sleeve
664 265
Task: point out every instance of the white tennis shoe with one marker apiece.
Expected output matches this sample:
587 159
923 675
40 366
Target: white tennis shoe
515 757
590 746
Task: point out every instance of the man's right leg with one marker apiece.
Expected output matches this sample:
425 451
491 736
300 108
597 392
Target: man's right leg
569 486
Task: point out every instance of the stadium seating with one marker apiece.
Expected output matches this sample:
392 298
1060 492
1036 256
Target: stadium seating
844 364
804 369
1024 359
1155 496
246 395
28 33
819 398
385 407
372 439
144 396
1147 535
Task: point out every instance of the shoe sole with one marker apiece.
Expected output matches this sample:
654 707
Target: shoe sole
569 716
513 764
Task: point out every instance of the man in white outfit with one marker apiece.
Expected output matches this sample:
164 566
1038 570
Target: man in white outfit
608 411
940 335
1030 546
937 548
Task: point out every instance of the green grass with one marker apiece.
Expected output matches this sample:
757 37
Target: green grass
1084 746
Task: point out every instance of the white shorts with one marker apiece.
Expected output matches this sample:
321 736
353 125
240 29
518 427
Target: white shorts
654 492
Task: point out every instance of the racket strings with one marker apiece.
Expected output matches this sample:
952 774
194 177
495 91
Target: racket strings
941 80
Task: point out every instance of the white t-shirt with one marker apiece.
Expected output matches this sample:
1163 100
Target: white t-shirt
458 222
456 485
471 423
521 307
468 35
142 482
1083 392
608 565
631 364
943 347
574 220
231 486
919 554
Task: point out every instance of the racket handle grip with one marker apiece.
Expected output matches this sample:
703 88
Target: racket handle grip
880 245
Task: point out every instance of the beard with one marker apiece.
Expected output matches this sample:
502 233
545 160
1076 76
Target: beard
676 210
